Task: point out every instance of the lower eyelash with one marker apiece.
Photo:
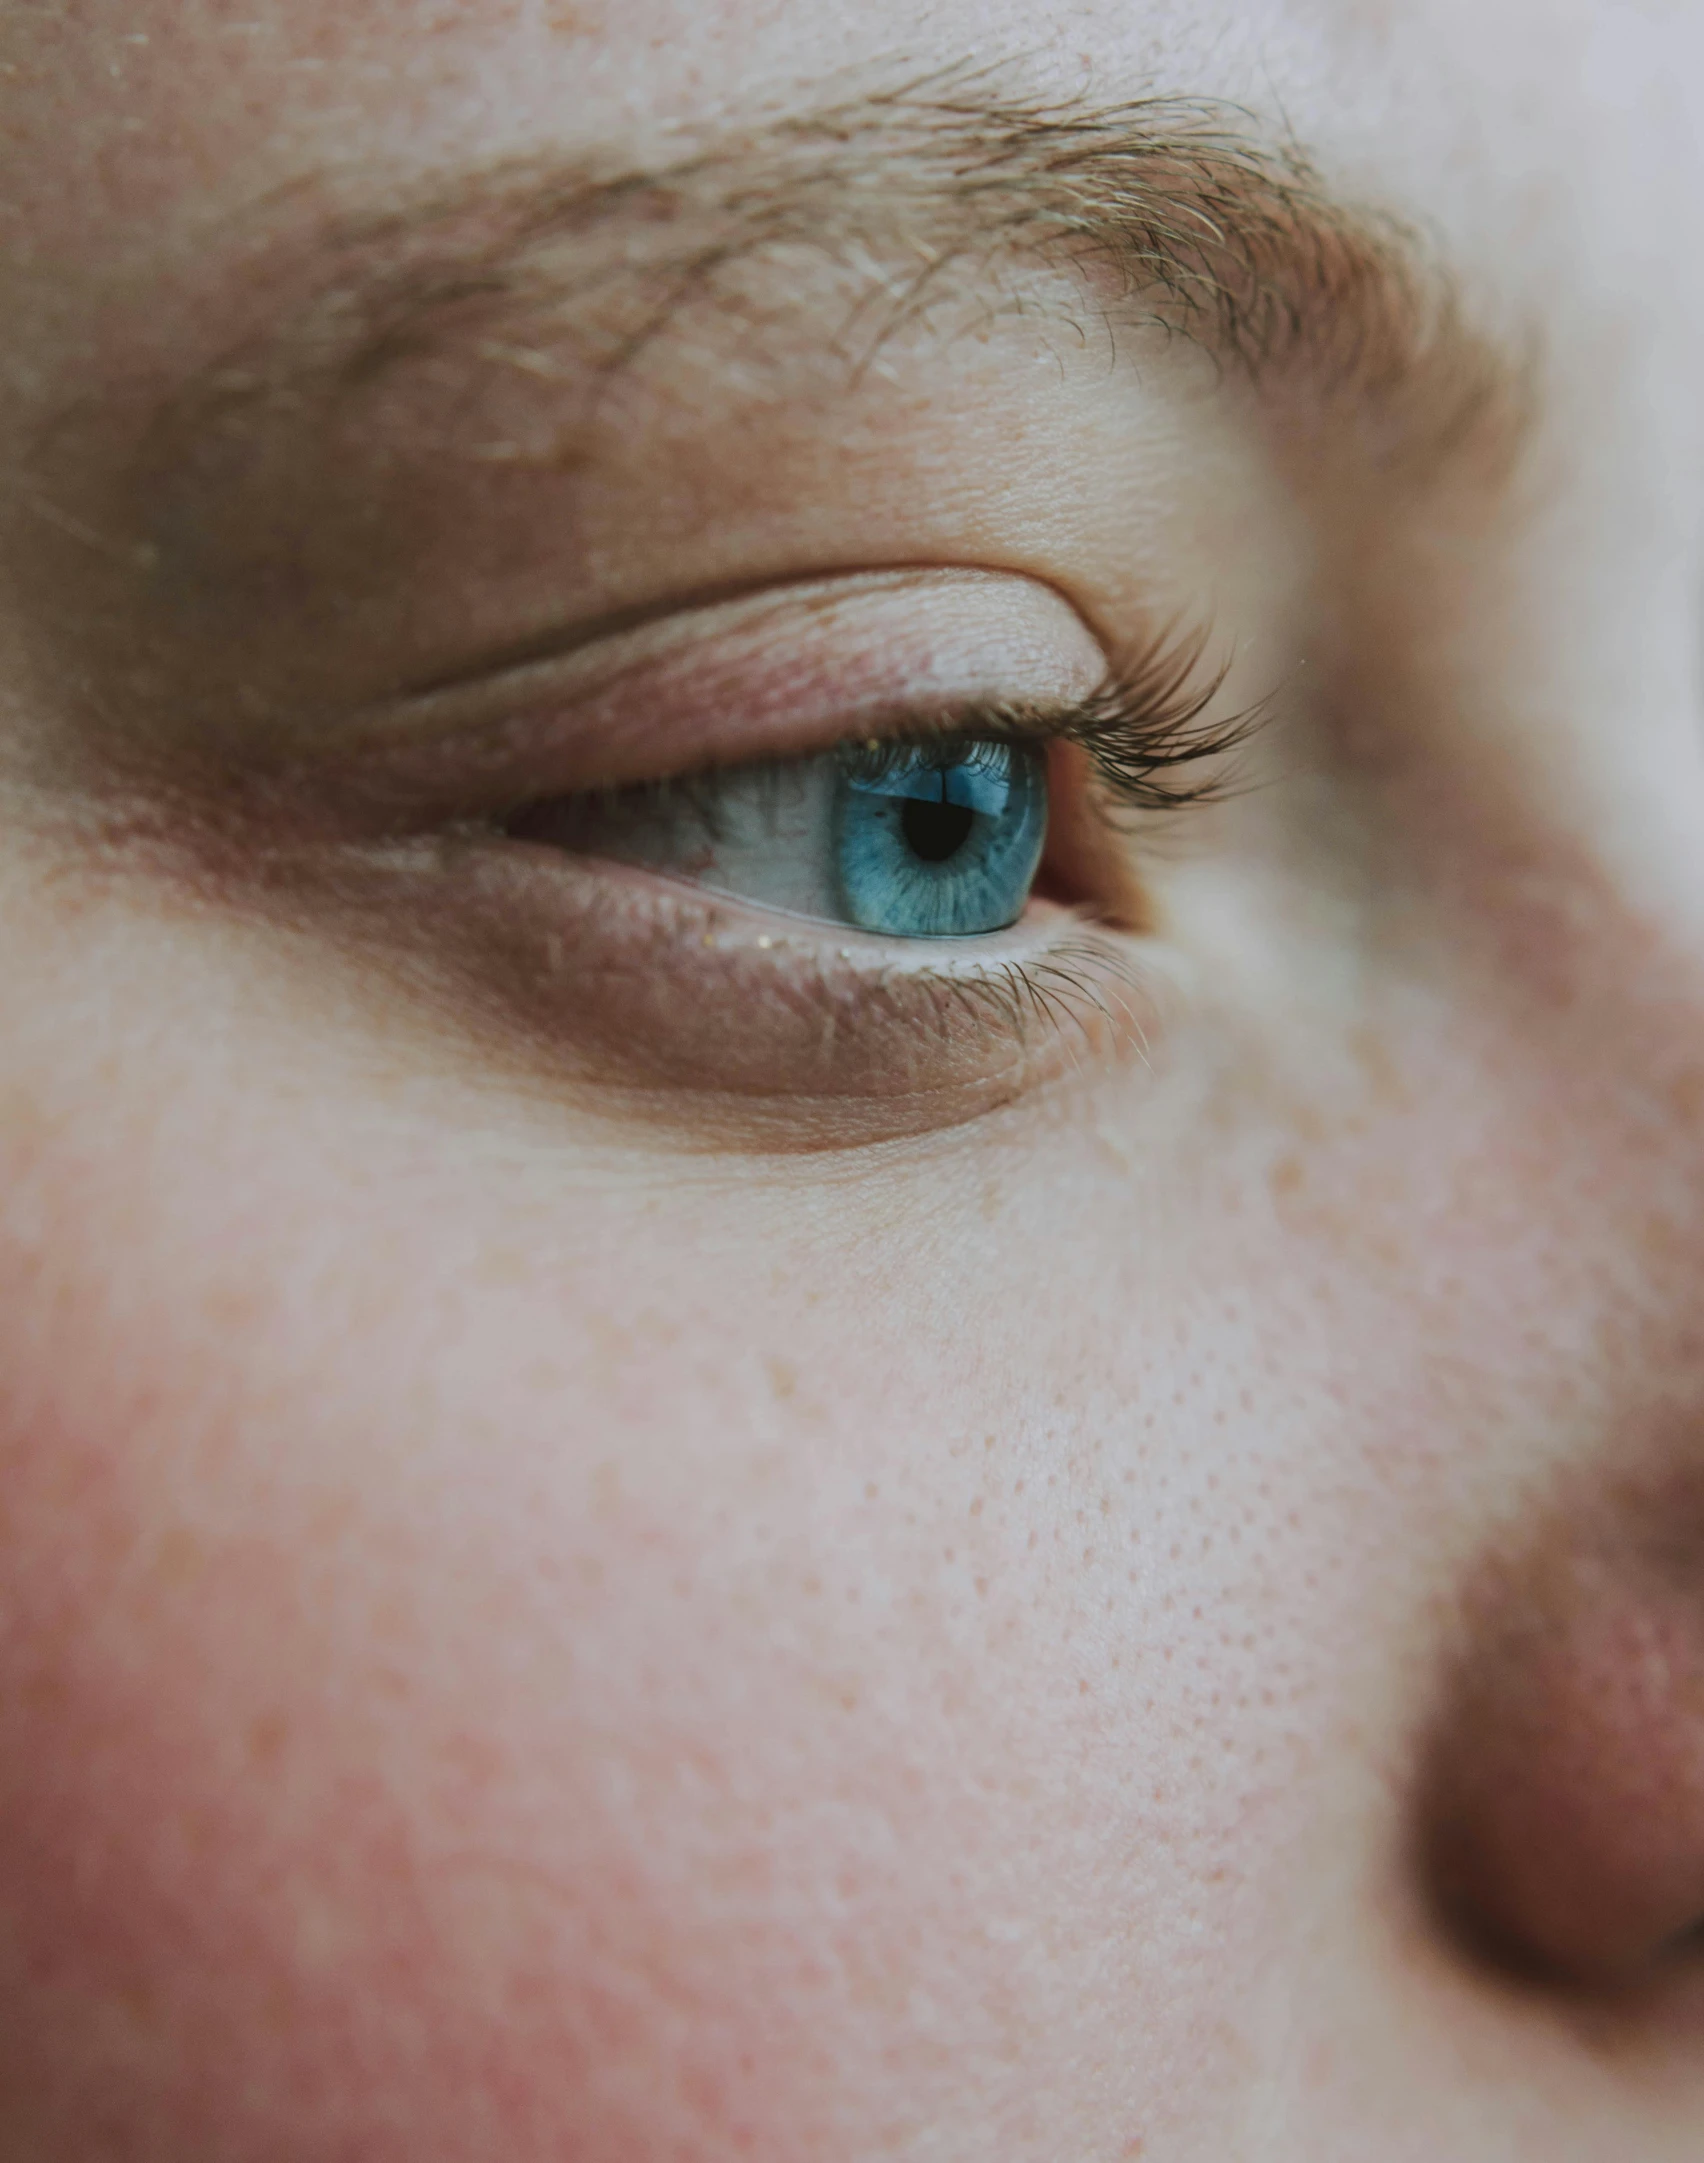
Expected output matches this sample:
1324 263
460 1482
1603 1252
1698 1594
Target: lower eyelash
1083 986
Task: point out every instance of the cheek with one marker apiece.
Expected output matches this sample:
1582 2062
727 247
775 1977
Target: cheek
486 1657
368 1737
512 1651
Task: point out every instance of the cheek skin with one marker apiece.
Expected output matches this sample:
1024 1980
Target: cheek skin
419 1753
512 1650
497 1674
390 1763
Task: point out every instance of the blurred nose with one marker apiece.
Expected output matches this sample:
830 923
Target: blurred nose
1565 1828
1561 1813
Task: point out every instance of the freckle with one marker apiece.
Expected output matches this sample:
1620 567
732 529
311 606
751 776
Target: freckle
1286 1175
1686 1094
330 1519
871 1490
229 1307
266 1739
1387 1082
783 1378
1660 1238
40 1694
178 1558
138 2006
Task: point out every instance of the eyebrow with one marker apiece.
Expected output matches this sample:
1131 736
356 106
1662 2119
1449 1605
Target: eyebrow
1171 212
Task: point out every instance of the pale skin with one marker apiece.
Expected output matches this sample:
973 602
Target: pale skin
630 1531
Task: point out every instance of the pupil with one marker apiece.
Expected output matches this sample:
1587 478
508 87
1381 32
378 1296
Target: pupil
936 831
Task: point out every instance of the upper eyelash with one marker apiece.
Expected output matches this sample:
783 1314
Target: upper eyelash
1142 728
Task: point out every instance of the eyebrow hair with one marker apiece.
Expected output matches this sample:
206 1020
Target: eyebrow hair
1167 211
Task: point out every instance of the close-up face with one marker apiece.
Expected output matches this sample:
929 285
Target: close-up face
851 1081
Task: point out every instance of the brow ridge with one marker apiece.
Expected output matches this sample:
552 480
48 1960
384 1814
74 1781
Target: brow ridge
1171 211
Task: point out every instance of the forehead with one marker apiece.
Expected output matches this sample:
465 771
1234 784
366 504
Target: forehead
1528 146
144 105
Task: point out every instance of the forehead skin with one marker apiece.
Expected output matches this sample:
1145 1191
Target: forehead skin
519 1640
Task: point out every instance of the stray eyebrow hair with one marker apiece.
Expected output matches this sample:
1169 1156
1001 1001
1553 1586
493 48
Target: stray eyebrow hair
1167 211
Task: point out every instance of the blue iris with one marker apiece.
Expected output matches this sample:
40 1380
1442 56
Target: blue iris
939 843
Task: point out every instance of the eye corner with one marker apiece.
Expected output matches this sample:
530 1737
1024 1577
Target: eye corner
1089 864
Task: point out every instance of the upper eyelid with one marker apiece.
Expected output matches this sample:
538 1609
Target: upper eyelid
1136 732
789 669
1149 733
1148 727
691 620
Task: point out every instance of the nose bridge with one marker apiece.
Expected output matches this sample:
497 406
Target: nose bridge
1622 1023
1579 979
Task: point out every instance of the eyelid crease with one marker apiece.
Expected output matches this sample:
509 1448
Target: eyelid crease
778 673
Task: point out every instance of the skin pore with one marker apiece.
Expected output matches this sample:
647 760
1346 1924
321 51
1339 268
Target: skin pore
640 1527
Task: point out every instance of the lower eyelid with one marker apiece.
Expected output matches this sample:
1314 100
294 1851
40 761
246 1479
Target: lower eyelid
647 990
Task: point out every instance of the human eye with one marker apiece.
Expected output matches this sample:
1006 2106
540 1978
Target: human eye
865 854
905 839
943 830
907 919
823 861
